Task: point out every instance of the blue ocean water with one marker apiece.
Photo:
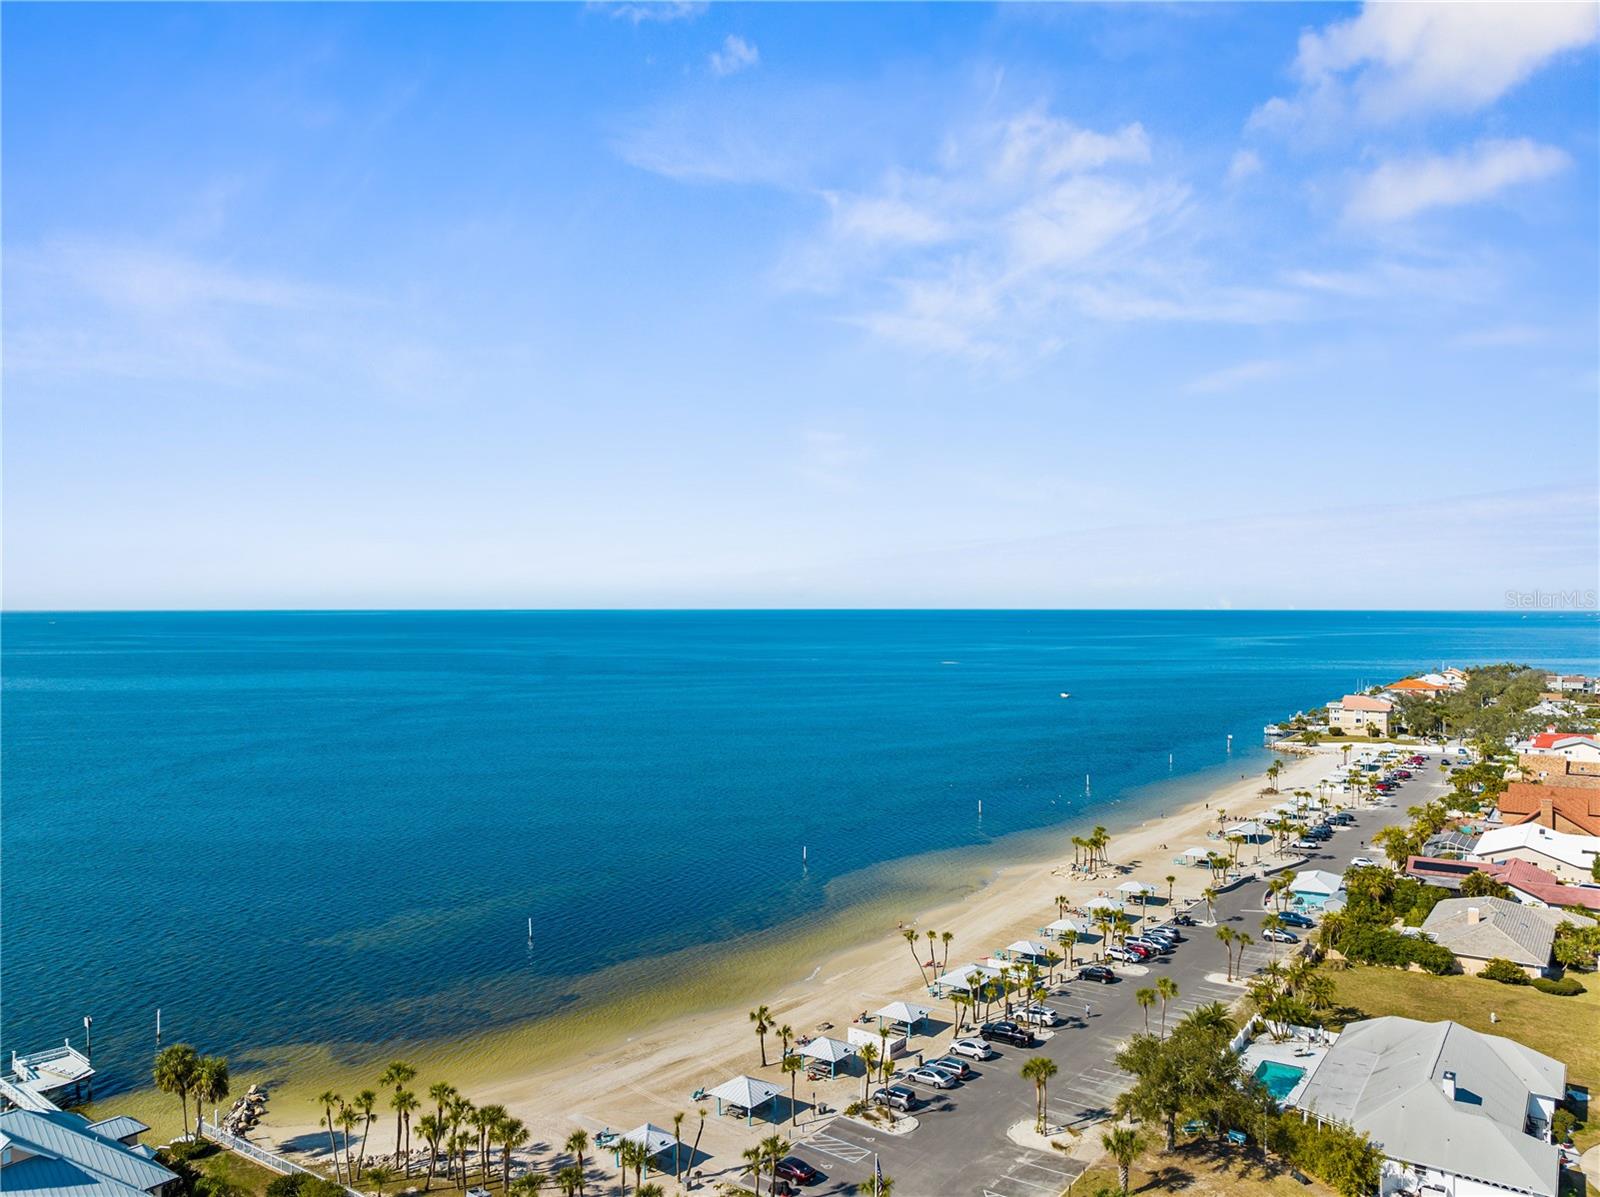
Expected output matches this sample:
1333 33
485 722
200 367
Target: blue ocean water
293 827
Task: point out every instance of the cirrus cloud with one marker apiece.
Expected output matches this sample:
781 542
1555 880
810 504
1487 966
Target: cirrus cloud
1400 189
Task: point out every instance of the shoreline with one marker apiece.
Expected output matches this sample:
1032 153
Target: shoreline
620 1060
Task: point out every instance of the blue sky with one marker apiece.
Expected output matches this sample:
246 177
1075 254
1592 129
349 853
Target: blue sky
627 305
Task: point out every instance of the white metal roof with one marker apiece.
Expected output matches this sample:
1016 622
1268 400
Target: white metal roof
746 1091
903 1012
829 1051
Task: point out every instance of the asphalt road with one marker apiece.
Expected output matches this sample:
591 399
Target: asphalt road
961 1146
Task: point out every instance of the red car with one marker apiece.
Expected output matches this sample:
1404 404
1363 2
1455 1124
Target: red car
797 1170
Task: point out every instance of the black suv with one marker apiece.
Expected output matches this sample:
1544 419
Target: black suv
1007 1032
1096 972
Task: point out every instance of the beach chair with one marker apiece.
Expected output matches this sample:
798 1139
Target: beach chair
1238 1138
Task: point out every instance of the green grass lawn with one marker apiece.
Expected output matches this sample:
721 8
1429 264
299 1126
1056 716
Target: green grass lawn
239 1173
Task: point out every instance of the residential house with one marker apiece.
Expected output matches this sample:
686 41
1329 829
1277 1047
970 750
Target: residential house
1569 857
1562 758
1478 930
1528 883
1358 714
1574 683
1572 809
1453 1110
56 1153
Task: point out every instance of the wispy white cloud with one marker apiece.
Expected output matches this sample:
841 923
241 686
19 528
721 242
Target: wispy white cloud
1237 377
735 55
641 12
1393 61
1402 188
1244 164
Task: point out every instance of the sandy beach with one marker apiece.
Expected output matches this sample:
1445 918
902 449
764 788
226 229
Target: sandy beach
647 1069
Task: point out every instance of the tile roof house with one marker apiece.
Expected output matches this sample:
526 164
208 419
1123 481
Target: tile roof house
1478 930
1417 685
1569 857
1528 882
1453 1110
60 1154
1353 714
1573 809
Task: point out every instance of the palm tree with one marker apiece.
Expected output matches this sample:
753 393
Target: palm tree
488 1122
363 1104
695 1150
1146 998
792 1065
776 1147
1039 1070
677 1146
432 1129
210 1085
1244 941
512 1134
379 1175
652 1190
570 1179
1124 1143
1167 989
754 1157
1069 940
457 1147
327 1101
529 1184
762 1017
176 1071
946 938
869 1058
910 937
348 1121
578 1143
933 941
785 1037
404 1102
1172 879
396 1076
441 1093
1225 934
1061 906
1269 928
637 1157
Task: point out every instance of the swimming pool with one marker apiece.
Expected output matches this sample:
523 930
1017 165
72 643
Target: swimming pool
1280 1079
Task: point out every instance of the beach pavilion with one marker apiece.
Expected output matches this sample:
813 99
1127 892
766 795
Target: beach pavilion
1058 928
744 1093
1103 903
1029 951
1193 856
903 1012
651 1137
957 978
831 1052
1249 830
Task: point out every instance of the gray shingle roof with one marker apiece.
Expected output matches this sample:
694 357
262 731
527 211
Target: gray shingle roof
1521 934
57 1155
1384 1076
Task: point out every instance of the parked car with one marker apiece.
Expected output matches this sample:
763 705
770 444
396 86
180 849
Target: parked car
1295 919
795 1169
1039 1016
1008 1032
1172 932
1153 946
1097 972
1305 845
956 1068
1342 819
973 1049
934 1078
1363 862
1126 955
897 1097
1279 936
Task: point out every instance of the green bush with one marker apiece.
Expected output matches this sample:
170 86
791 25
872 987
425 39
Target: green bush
1562 1124
1368 944
1502 970
1560 986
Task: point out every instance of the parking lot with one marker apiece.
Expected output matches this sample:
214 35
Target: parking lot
960 1145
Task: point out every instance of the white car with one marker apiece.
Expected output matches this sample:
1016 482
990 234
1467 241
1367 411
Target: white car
973 1049
930 1077
1363 862
1039 1016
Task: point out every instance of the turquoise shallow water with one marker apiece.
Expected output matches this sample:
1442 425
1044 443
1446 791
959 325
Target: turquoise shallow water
327 826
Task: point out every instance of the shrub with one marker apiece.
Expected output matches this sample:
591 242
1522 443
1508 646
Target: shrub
1560 986
1502 970
1562 1124
1367 944
285 1186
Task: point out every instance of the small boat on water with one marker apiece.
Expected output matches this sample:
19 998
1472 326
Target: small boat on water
1064 694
